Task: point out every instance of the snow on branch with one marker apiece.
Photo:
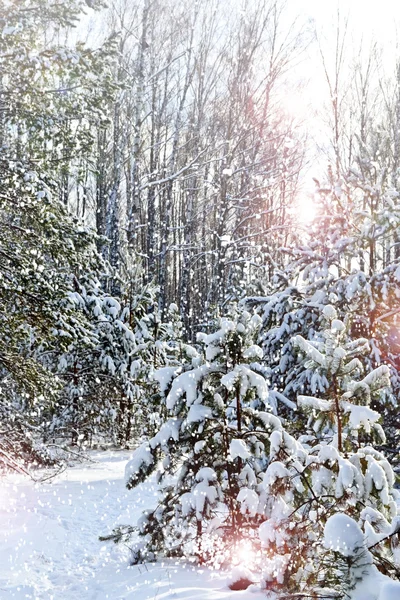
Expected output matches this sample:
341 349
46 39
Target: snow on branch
309 350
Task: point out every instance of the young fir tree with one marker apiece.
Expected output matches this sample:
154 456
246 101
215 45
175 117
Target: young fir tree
94 370
212 447
168 352
334 468
350 557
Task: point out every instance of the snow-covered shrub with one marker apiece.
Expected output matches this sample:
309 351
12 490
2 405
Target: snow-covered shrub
110 391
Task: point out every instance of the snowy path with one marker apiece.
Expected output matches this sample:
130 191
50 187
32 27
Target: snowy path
49 547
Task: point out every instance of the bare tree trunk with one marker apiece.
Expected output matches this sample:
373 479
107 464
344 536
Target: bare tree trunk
172 165
133 202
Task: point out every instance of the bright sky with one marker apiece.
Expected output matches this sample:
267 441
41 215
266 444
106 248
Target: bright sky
369 15
368 20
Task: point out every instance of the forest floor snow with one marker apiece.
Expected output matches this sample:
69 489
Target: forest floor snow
50 548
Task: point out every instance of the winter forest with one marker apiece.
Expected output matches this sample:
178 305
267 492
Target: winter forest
199 300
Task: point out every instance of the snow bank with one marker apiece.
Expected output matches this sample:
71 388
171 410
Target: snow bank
390 591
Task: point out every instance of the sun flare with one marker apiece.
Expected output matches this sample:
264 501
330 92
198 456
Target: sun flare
306 209
245 553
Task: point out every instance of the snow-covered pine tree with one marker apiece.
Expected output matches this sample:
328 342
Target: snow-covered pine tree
92 369
130 347
333 468
43 251
336 360
212 447
50 105
47 101
351 261
168 352
286 312
353 256
109 387
348 563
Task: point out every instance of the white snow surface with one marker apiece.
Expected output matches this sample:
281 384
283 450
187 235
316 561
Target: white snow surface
249 501
376 586
329 312
253 352
49 546
198 413
314 403
390 591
